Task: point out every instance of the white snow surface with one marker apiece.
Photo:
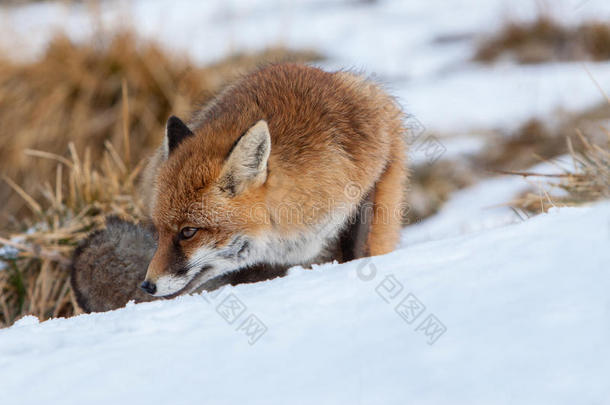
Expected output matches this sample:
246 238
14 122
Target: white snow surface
523 313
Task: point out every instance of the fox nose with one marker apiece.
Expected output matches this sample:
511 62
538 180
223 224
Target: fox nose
149 287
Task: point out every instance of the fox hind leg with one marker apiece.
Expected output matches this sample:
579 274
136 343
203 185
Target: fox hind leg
388 204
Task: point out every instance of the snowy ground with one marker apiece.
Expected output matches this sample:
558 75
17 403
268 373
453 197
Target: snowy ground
517 314
479 305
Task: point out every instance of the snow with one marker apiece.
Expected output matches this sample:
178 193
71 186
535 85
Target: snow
9 252
519 317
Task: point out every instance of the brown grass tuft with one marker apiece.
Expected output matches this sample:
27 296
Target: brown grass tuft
536 141
588 181
76 126
430 186
36 280
529 144
78 93
545 40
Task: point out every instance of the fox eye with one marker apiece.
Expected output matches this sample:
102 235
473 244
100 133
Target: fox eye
188 232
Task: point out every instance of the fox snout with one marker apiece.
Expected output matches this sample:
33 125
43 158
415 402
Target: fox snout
169 271
149 287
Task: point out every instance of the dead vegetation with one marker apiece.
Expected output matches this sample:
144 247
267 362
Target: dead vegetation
79 93
536 141
76 126
36 280
431 185
512 152
531 143
546 40
587 181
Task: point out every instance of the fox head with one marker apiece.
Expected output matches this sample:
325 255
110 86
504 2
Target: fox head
208 206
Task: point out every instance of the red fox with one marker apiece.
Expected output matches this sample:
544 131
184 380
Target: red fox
291 165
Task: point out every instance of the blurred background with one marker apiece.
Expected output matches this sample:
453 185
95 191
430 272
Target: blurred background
495 92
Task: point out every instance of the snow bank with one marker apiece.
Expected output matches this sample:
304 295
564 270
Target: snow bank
516 314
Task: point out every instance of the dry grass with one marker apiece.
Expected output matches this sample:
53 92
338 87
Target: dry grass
37 278
536 141
76 126
431 185
533 142
545 40
590 180
75 94
587 181
529 144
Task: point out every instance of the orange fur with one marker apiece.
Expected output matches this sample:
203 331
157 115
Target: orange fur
335 138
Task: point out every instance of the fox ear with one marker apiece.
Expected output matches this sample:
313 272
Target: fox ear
175 132
246 165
